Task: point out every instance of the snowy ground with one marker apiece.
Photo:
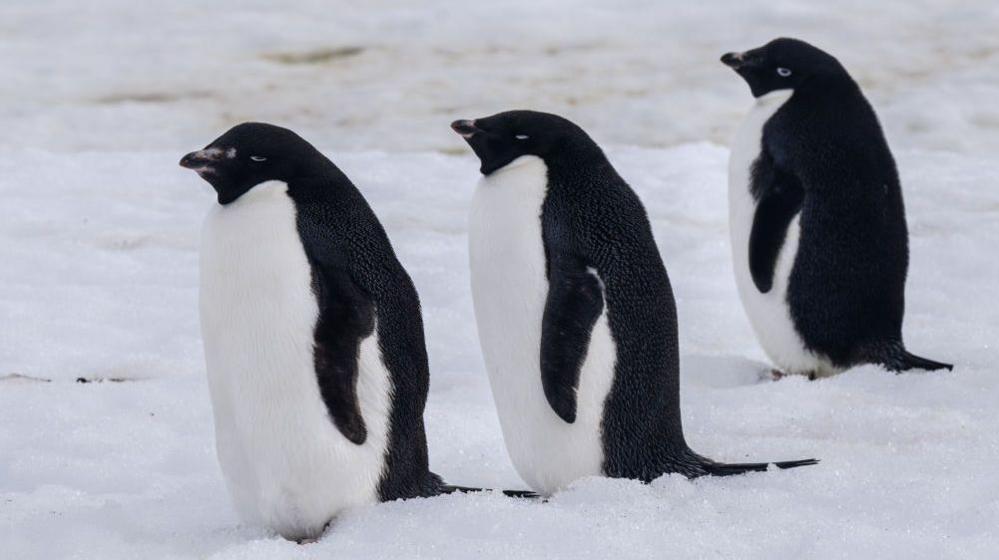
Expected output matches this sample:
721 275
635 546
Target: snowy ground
98 245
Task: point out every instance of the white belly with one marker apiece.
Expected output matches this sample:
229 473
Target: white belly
509 288
768 313
285 463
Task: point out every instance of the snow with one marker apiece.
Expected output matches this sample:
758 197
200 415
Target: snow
99 242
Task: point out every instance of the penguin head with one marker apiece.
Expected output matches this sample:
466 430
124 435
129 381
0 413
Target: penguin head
501 138
250 154
782 64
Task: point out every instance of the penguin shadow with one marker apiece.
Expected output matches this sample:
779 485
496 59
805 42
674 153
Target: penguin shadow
19 378
720 372
85 380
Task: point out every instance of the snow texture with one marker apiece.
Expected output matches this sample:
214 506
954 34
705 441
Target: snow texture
99 239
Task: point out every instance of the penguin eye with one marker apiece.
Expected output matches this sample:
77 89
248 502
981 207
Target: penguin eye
521 137
258 158
783 72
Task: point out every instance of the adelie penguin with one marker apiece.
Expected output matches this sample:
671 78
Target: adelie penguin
818 228
313 337
575 311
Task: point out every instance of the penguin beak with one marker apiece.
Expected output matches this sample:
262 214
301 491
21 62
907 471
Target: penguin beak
733 59
466 128
201 160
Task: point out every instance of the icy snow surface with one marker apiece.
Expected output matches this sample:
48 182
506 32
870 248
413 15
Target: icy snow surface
98 269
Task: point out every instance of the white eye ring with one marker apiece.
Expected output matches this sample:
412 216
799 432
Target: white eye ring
521 137
258 158
783 72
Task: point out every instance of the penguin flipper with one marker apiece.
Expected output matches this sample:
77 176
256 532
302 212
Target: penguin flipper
780 201
452 489
575 301
348 317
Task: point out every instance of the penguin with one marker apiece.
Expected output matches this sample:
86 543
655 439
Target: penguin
819 238
574 309
313 338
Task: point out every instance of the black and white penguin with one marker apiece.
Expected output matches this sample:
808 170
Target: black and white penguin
313 337
575 311
819 238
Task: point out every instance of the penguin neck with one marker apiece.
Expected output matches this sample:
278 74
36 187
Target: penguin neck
776 97
324 182
829 87
260 192
579 163
519 162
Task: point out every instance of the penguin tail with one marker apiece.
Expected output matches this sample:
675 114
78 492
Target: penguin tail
454 489
911 361
729 469
898 359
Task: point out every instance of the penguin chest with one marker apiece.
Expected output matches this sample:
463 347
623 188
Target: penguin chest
285 463
768 312
509 289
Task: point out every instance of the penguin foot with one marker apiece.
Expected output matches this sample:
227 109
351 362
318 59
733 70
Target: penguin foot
308 540
777 374
312 539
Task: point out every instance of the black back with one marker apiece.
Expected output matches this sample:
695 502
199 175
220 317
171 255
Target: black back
359 286
591 219
824 154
